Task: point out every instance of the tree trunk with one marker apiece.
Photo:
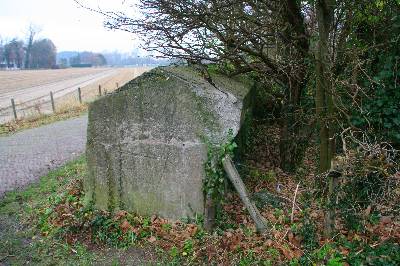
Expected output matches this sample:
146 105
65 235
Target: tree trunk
324 93
290 150
324 104
294 129
292 138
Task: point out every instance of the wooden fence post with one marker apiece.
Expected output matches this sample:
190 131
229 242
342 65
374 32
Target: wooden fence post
333 180
209 213
80 95
14 110
52 102
99 90
117 85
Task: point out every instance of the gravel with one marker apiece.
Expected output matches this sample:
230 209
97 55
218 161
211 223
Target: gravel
30 154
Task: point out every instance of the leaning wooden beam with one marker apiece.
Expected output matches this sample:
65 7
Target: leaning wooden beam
237 182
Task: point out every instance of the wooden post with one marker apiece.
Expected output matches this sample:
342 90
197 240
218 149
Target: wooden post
117 85
52 102
209 213
333 179
14 109
99 90
80 95
237 182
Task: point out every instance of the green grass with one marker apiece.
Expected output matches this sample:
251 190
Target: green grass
21 241
41 120
52 183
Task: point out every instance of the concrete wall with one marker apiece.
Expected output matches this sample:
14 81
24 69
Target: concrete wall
145 147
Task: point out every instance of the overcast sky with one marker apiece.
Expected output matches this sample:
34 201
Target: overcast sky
67 25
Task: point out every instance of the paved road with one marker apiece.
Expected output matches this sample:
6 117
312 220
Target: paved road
27 155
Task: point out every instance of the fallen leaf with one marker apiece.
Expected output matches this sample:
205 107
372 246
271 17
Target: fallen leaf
367 211
125 226
269 243
152 239
386 219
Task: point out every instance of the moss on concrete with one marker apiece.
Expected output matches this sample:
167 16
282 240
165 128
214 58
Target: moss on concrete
145 151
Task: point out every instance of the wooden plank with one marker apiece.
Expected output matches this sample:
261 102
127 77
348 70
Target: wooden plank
237 182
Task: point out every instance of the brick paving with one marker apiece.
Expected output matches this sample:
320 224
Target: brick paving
27 155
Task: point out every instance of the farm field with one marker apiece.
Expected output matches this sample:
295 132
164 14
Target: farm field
31 89
23 79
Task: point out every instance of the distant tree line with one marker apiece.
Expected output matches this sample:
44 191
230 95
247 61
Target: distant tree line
74 58
125 59
30 54
84 59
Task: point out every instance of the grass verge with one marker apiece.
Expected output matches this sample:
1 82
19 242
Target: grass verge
43 119
22 241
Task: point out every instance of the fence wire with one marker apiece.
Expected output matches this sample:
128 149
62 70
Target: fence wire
42 105
66 98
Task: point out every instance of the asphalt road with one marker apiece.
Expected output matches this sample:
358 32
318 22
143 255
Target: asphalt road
27 155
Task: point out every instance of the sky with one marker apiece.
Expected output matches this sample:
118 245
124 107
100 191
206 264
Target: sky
69 26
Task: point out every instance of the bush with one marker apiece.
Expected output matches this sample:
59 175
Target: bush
369 184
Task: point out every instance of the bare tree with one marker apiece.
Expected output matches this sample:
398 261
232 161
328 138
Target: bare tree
2 55
268 38
33 30
14 53
293 47
44 54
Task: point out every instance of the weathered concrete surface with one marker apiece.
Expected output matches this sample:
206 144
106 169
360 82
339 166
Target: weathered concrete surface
145 146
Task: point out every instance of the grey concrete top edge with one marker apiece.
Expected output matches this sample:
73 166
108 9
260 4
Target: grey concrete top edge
192 75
